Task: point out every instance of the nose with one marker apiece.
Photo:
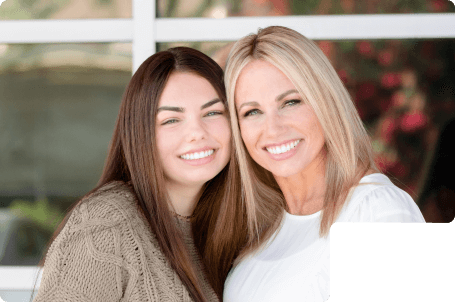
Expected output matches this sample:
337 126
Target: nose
274 125
195 131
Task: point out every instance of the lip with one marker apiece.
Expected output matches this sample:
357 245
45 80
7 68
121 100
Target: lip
198 150
286 155
200 161
281 143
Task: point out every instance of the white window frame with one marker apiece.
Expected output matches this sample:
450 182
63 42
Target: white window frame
143 30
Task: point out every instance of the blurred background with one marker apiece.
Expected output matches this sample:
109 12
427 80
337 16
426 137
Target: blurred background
58 105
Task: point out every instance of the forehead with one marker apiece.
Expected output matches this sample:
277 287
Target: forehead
186 88
259 79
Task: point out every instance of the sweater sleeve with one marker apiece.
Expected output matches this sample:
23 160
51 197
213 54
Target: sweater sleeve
84 262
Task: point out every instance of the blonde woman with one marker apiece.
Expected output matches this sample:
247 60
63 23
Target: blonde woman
306 162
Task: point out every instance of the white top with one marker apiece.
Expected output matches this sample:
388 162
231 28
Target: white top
294 265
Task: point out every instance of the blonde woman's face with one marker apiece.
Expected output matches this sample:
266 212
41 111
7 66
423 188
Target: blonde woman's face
192 130
281 133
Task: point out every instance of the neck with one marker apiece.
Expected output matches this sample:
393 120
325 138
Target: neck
304 191
183 198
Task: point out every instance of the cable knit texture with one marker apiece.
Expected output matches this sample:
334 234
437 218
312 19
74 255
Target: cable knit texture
106 252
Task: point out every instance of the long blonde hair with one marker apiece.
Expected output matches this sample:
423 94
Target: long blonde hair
349 151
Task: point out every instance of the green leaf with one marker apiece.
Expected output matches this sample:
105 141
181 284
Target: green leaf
40 211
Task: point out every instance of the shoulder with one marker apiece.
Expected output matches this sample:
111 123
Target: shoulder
376 198
113 203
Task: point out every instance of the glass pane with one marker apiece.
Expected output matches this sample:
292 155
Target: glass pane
221 8
405 94
65 9
58 107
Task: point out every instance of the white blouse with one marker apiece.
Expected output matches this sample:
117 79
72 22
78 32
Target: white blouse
294 264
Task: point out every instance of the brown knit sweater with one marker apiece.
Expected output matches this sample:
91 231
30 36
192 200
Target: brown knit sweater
106 252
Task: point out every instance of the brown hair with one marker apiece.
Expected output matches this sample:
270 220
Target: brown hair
349 151
133 147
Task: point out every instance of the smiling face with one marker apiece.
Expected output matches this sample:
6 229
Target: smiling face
281 133
192 130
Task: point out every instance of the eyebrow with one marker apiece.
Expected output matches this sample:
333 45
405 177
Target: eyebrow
181 109
278 98
283 95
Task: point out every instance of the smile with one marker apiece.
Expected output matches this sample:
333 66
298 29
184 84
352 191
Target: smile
197 155
283 148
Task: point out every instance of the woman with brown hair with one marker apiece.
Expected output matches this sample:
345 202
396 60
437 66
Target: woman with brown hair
306 162
169 193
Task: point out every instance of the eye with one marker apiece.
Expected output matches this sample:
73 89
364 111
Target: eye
170 121
291 103
251 112
215 112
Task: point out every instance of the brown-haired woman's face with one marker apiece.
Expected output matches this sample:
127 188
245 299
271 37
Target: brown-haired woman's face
192 130
281 132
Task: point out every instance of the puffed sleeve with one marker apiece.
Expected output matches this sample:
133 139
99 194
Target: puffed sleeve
387 203
83 262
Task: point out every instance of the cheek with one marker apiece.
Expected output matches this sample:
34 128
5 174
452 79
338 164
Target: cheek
248 134
220 130
165 143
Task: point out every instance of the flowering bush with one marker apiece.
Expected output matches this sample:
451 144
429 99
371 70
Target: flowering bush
404 91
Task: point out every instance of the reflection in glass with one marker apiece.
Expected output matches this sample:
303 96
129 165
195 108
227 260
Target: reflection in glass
65 9
58 107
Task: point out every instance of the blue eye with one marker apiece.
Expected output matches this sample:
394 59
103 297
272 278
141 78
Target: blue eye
213 113
291 103
170 121
251 112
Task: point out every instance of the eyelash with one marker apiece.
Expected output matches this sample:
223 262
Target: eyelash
287 103
173 120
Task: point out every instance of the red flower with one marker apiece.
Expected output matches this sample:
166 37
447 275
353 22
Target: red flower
365 48
385 57
390 80
411 122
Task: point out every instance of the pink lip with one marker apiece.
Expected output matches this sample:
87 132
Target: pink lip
283 156
198 150
282 143
200 161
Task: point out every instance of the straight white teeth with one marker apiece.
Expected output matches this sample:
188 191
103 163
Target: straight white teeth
283 148
197 155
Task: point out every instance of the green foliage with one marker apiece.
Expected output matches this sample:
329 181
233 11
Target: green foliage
30 9
40 211
304 7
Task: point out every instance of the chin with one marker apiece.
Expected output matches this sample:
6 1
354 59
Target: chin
199 178
283 170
